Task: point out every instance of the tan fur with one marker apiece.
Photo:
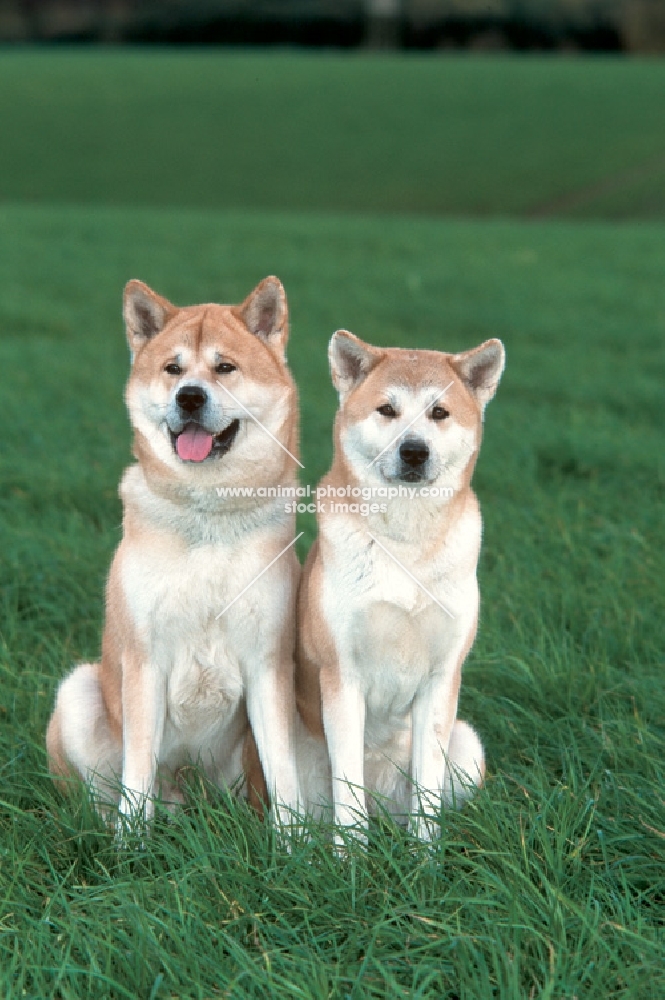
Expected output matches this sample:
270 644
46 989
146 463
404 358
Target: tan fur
176 683
257 792
378 662
57 758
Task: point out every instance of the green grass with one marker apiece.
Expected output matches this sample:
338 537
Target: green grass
332 132
551 883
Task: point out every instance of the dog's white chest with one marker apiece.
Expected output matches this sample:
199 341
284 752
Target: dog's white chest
394 618
175 600
363 573
204 686
391 584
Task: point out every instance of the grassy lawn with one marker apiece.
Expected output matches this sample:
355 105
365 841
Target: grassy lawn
418 134
551 883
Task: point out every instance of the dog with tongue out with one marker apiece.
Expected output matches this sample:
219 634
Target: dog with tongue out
197 651
194 444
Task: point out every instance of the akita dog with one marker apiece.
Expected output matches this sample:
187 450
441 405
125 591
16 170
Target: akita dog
200 603
388 601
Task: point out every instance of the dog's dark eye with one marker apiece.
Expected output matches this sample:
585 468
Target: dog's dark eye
173 369
224 367
386 410
440 413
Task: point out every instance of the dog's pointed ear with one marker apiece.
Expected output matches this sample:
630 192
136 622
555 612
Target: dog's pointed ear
351 361
481 368
265 313
145 312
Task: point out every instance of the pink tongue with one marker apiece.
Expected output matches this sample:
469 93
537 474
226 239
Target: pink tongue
194 444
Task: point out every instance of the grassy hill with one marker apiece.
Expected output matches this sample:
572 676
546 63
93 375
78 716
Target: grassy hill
446 135
551 882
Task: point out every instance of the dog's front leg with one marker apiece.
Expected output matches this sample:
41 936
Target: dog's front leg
143 715
433 716
271 711
343 704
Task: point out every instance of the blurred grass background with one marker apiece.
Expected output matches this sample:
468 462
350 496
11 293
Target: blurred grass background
334 132
421 202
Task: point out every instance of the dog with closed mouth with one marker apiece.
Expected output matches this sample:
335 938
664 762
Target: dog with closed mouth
199 634
388 602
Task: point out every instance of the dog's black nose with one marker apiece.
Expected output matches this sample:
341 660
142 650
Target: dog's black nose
413 452
190 398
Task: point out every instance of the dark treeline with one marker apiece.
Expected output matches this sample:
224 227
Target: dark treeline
592 25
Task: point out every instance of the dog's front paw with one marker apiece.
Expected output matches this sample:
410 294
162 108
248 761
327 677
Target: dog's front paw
126 831
289 827
134 815
347 837
426 828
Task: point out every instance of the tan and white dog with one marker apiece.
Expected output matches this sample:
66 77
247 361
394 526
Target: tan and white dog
199 635
388 602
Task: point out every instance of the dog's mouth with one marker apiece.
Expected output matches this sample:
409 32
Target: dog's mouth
412 476
195 444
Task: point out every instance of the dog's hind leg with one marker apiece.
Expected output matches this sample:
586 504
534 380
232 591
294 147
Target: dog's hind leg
80 739
461 772
465 765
